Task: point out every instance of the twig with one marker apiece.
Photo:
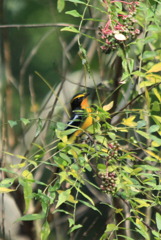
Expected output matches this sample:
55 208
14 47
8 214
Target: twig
44 25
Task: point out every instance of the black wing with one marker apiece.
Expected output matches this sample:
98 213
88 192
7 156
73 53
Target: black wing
75 121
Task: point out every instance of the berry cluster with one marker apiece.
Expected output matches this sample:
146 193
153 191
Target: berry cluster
108 182
117 32
113 153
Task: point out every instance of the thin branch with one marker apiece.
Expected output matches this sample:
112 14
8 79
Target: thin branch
44 25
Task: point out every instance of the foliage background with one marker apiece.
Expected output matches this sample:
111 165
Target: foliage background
41 62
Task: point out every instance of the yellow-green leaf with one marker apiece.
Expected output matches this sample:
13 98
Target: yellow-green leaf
153 154
155 68
108 106
144 134
129 121
141 203
28 175
17 166
111 227
26 182
63 197
157 94
6 190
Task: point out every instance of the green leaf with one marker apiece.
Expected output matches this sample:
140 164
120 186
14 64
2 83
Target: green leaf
75 227
153 128
27 181
76 1
156 106
101 166
138 73
156 234
90 206
60 5
111 227
31 217
141 228
141 123
63 197
86 196
39 127
144 134
158 221
65 157
25 121
155 139
7 182
71 222
12 123
45 231
149 54
61 126
7 170
70 29
73 13
157 94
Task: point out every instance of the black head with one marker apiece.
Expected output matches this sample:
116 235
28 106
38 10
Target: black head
77 100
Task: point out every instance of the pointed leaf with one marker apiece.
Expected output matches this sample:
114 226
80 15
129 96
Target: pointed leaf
6 190
155 68
45 231
74 13
108 106
12 123
25 121
31 217
129 121
70 29
60 5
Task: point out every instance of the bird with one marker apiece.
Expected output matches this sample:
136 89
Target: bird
81 116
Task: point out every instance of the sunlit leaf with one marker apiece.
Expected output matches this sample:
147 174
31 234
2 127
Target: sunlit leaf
155 68
25 121
73 13
108 106
6 190
157 118
153 154
111 227
129 121
157 94
70 29
71 222
17 166
76 1
141 202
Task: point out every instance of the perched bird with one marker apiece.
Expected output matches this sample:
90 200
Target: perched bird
81 117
